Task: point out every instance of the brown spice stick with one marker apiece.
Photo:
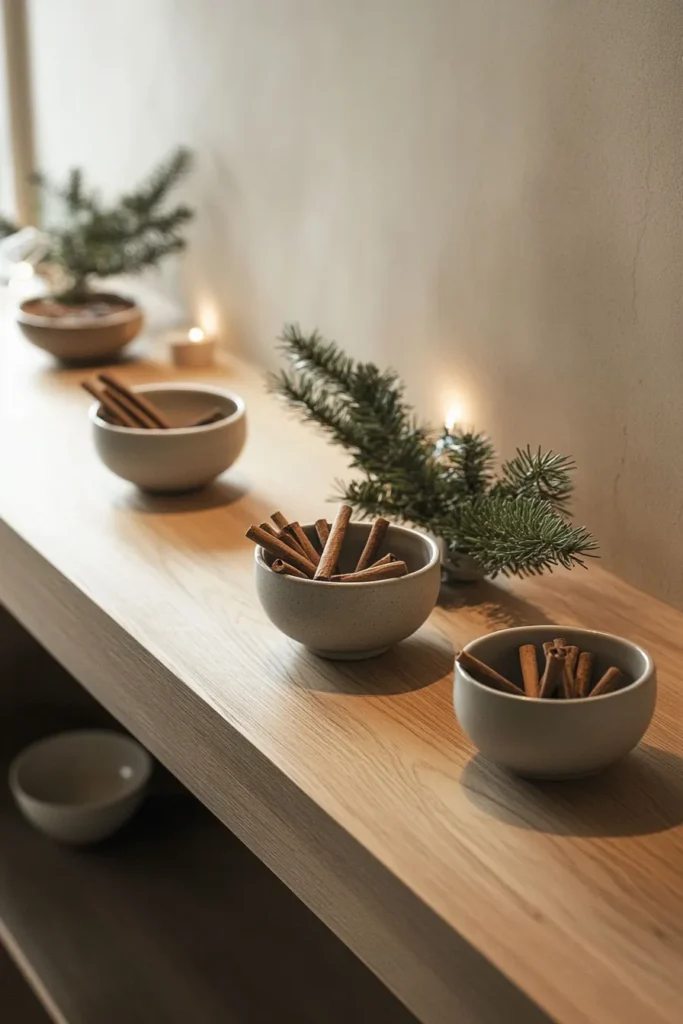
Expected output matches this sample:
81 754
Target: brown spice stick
554 668
548 646
613 679
268 528
372 544
113 408
141 418
276 547
584 671
560 642
485 674
134 396
283 536
384 560
322 528
529 666
285 569
280 521
332 549
387 571
303 542
212 416
568 678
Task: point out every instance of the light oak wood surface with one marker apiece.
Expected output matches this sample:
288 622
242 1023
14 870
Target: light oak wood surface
474 896
173 920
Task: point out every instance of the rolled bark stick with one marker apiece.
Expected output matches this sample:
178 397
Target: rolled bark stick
322 528
387 571
584 671
303 542
560 642
529 666
280 521
212 416
283 536
333 546
268 528
384 560
568 676
148 407
110 405
554 668
276 547
285 569
548 646
485 674
373 543
612 680
141 418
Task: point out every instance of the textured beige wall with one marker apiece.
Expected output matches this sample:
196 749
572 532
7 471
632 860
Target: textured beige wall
487 195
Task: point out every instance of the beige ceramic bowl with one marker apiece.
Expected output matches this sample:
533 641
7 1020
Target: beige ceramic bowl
80 339
350 621
555 739
180 458
79 787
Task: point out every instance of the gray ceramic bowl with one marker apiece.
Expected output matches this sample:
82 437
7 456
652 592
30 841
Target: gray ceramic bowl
555 739
350 621
79 787
180 458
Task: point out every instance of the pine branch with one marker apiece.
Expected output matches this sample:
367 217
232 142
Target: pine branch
520 536
538 474
469 456
161 181
7 226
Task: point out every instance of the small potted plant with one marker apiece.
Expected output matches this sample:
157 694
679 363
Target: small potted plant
76 322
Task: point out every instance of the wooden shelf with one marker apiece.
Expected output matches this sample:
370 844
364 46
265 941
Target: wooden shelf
353 783
173 921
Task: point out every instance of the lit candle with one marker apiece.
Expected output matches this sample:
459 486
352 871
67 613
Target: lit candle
192 348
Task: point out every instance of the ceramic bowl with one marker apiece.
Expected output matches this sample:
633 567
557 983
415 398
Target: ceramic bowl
79 787
555 739
350 621
180 458
80 339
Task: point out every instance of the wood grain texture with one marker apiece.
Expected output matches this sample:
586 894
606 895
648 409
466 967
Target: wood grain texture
171 921
353 782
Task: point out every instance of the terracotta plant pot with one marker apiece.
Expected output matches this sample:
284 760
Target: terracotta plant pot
80 333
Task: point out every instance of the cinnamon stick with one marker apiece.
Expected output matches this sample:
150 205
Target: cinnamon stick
134 396
584 671
110 405
322 528
285 569
568 677
485 674
384 560
613 679
280 521
141 418
302 540
387 571
283 536
372 544
554 668
212 416
333 545
278 548
560 642
548 646
529 666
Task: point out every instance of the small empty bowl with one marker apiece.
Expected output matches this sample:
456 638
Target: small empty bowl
181 458
349 621
79 787
555 739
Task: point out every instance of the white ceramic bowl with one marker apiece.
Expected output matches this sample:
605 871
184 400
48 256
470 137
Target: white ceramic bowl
350 621
555 739
180 458
79 787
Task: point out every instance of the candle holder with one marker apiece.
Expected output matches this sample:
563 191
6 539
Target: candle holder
192 348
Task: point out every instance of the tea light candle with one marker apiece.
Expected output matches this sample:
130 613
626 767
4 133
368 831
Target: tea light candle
192 348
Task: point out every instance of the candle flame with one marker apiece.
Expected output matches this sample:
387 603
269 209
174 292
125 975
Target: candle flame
195 334
455 415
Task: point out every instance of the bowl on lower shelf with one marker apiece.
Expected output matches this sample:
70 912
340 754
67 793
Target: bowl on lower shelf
181 458
555 739
351 621
79 787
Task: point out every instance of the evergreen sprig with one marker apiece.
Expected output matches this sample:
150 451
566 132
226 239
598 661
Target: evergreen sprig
514 524
96 240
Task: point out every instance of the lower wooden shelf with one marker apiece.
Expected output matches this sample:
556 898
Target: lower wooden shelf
173 921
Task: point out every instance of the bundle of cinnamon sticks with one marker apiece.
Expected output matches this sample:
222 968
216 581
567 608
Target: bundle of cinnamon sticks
127 408
296 555
567 673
